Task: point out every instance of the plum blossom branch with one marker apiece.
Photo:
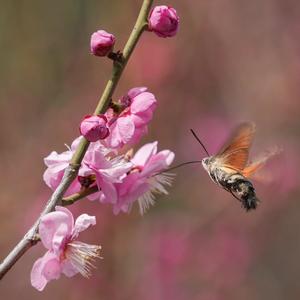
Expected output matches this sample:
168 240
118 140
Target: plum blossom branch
77 196
30 238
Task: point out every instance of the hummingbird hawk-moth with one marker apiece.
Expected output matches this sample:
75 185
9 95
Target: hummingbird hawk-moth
230 168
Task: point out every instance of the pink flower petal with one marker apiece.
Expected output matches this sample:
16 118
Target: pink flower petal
116 171
52 268
54 158
37 280
109 193
125 126
138 189
85 171
136 91
75 143
143 118
123 207
143 102
52 179
169 156
68 269
51 222
130 190
56 164
114 140
158 163
83 222
45 269
96 160
60 239
121 132
144 154
68 213
138 133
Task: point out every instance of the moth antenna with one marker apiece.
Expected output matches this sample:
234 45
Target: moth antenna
199 141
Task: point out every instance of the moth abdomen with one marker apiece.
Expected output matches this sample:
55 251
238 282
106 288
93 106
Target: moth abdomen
243 190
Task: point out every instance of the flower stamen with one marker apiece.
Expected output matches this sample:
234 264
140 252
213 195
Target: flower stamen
156 184
82 256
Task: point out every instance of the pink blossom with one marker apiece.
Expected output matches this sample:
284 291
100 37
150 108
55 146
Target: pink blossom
65 254
146 179
131 124
163 20
93 128
96 168
102 43
107 173
57 163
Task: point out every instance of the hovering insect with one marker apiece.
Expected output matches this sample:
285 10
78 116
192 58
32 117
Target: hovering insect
230 169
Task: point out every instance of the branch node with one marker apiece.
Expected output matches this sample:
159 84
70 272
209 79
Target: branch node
117 57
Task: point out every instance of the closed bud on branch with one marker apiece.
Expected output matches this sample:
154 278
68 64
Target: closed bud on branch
102 43
94 128
164 21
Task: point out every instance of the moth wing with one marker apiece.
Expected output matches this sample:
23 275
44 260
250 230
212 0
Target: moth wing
234 154
252 168
259 163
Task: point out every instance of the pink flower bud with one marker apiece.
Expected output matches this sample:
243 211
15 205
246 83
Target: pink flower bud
94 128
163 20
102 43
132 123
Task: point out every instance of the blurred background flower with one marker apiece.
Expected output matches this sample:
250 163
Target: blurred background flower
230 61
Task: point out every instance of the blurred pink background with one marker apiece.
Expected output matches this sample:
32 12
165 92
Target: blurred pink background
230 61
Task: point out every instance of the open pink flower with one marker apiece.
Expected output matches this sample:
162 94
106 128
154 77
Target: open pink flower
57 163
131 124
65 254
107 173
146 179
96 157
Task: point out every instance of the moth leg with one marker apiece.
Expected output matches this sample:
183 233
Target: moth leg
234 196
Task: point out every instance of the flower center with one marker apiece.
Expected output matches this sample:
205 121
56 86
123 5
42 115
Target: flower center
82 256
126 101
86 181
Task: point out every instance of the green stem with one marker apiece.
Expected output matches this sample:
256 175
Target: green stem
77 196
71 172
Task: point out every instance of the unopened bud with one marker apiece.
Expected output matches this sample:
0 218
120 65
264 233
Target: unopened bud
102 43
94 128
163 20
